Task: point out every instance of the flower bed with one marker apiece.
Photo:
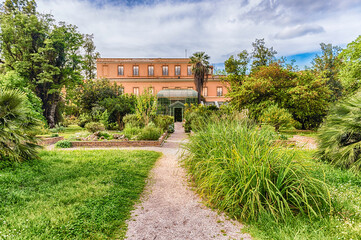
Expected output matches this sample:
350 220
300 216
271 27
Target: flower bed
121 143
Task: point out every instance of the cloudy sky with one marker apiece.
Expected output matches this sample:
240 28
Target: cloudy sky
165 28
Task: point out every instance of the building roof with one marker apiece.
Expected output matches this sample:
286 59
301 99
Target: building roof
177 93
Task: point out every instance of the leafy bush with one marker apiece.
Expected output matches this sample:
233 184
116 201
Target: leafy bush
150 133
15 122
340 136
239 170
94 127
131 131
196 117
63 144
105 135
133 120
171 128
57 129
277 117
70 120
83 119
163 121
54 135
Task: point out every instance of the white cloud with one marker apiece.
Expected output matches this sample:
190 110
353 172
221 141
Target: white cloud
299 31
220 28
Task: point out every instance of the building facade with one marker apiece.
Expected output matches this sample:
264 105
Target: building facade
137 74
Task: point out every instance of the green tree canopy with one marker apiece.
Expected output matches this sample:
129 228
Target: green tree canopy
237 66
90 56
261 55
304 95
46 54
328 65
350 72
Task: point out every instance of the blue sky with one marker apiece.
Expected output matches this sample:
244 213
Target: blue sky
165 28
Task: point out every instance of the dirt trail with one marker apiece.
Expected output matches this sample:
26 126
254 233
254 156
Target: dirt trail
170 210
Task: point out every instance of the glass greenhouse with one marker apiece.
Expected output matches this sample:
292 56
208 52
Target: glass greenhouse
171 102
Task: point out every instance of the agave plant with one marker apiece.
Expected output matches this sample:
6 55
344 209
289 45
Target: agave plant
340 136
15 122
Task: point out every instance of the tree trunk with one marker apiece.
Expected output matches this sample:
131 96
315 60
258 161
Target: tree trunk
52 112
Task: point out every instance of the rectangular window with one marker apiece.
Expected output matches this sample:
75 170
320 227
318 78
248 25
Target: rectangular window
177 87
120 70
150 70
177 70
189 70
165 70
136 91
190 88
205 92
165 88
219 91
210 71
135 70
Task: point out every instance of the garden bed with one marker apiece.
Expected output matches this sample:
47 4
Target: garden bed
45 141
121 143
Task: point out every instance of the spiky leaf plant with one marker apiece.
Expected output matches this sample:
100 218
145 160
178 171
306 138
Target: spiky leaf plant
340 136
240 170
15 122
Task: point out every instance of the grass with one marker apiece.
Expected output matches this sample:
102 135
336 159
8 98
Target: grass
238 169
72 194
214 168
343 223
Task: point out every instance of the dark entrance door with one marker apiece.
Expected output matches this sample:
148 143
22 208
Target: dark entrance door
178 115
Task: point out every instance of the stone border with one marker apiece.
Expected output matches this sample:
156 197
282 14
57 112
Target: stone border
49 140
119 143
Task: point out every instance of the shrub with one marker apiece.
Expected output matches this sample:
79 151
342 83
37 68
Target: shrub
171 128
150 133
239 170
277 117
105 135
133 120
57 129
54 135
340 136
163 121
83 119
70 120
94 127
131 131
63 144
15 122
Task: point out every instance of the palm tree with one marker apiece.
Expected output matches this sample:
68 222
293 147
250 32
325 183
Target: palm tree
200 67
15 122
340 135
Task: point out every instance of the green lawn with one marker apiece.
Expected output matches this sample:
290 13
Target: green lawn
72 194
343 223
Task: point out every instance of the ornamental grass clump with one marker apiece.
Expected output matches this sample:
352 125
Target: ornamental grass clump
239 169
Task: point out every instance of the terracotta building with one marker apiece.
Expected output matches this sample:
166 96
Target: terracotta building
137 74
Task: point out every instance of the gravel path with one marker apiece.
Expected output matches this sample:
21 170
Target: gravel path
170 210
305 142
